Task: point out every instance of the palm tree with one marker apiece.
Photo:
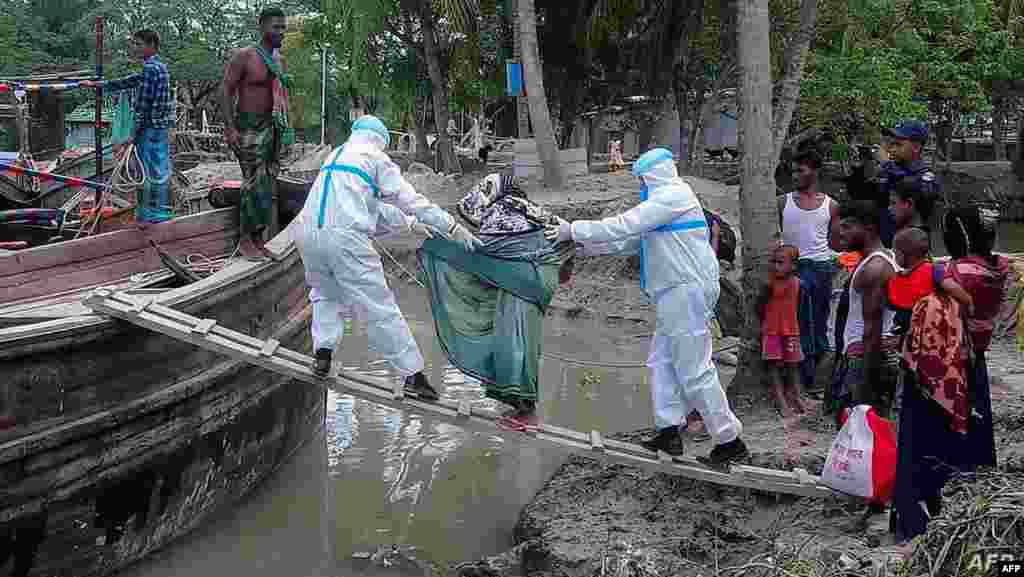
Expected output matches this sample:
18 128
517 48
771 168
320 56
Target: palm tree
425 27
757 185
544 133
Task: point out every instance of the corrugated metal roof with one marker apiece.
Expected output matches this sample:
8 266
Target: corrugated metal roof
87 113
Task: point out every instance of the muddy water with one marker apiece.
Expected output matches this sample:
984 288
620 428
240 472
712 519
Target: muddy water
377 477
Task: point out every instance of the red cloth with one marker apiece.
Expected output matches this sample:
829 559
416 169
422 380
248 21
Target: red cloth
986 283
781 349
780 318
905 290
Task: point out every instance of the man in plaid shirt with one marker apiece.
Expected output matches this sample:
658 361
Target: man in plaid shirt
154 116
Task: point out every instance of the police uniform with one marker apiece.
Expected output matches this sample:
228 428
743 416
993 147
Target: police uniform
891 173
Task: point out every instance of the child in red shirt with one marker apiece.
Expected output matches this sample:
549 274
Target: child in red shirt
780 330
919 275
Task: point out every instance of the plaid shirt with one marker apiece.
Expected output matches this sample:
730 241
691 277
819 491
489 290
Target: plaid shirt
154 105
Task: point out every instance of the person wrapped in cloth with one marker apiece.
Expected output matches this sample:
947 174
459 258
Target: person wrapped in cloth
340 215
679 271
489 306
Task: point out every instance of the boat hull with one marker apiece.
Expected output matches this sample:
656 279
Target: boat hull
128 439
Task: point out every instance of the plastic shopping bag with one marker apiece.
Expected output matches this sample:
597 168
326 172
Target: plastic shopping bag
862 460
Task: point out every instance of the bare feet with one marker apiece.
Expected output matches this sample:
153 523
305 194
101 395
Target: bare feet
265 252
797 402
248 249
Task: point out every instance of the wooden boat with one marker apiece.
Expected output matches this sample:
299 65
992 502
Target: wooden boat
114 440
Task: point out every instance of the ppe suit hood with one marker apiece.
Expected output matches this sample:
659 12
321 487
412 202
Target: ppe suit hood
367 138
658 169
373 125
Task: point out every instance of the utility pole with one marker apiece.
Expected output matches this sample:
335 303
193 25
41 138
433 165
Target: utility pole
323 94
98 131
522 104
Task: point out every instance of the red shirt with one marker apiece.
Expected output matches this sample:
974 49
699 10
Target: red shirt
986 283
905 290
780 318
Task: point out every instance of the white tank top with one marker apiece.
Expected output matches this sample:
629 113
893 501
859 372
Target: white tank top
853 332
807 229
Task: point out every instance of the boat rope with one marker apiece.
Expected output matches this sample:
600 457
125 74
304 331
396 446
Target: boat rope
122 180
17 170
394 260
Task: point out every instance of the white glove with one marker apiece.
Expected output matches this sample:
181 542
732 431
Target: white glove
559 232
419 228
462 236
564 231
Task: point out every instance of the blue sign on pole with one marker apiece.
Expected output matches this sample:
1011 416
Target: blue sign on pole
513 78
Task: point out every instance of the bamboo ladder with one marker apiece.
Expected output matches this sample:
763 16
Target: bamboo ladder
142 311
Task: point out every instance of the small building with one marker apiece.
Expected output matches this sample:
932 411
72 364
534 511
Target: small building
80 125
45 111
619 122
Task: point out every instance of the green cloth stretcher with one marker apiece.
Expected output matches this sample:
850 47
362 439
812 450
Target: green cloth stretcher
489 306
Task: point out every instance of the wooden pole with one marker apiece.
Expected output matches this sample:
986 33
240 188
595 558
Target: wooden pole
98 131
323 94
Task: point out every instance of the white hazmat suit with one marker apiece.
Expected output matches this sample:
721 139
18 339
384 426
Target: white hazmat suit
328 325
679 271
340 216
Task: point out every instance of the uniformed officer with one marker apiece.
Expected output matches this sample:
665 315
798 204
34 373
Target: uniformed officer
904 145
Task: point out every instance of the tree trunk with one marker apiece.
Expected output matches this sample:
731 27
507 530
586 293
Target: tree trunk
540 116
685 114
1018 153
998 124
419 128
439 89
794 56
666 129
757 190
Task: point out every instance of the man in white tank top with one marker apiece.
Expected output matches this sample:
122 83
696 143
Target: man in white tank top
810 222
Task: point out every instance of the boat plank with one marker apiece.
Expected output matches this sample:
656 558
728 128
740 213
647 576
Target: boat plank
95 272
81 274
161 319
58 254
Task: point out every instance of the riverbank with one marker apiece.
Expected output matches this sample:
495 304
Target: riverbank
591 513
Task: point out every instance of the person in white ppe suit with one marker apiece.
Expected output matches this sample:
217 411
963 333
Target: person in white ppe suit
679 271
339 217
328 325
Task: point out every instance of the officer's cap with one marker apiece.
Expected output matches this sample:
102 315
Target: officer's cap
913 130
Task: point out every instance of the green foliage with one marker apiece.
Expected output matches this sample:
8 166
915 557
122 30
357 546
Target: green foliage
876 61
857 92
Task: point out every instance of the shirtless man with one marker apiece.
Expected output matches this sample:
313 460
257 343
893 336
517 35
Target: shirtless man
869 376
257 129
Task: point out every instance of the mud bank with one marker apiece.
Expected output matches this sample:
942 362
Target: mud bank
591 514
